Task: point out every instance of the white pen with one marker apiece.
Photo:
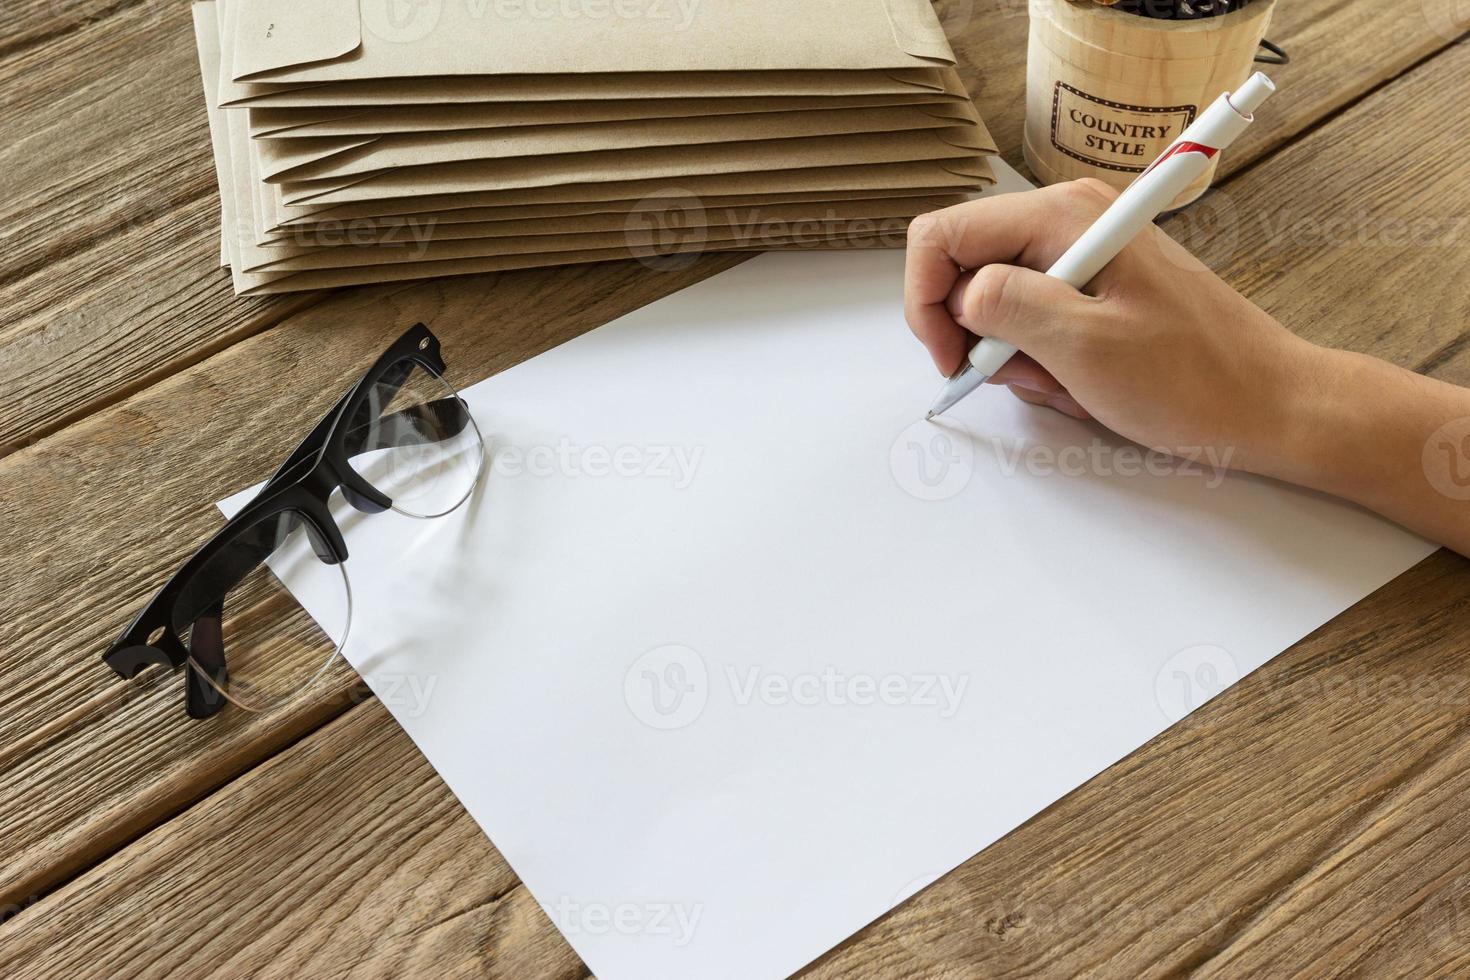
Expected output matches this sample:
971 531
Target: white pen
1143 201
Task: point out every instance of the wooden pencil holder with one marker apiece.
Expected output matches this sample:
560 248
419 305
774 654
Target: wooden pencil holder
1107 91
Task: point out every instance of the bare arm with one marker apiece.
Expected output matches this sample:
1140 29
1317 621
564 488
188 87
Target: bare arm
1165 353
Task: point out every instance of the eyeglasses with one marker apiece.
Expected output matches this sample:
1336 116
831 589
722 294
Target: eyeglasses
401 438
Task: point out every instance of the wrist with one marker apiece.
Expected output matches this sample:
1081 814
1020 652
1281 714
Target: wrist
1316 431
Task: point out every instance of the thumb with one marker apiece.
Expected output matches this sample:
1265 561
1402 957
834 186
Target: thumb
1021 306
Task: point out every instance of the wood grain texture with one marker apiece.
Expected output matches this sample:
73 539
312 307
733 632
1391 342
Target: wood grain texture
145 473
1306 818
31 23
414 890
107 277
1300 790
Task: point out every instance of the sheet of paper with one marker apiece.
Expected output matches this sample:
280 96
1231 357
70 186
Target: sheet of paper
732 653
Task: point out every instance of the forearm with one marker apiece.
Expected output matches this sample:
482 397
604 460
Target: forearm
1388 439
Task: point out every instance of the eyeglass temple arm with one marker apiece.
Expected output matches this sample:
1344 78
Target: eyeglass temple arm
203 695
449 415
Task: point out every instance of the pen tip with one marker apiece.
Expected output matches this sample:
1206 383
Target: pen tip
930 417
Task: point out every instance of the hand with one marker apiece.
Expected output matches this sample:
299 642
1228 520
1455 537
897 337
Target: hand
1163 352
1159 349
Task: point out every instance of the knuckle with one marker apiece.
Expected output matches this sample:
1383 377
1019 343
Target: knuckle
1088 197
923 229
986 299
933 229
1098 189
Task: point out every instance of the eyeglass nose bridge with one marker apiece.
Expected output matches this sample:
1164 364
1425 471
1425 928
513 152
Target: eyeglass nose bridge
311 499
357 491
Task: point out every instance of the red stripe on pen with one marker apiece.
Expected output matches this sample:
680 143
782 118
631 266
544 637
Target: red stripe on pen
1186 147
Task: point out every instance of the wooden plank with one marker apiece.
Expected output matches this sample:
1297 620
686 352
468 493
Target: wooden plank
106 256
30 23
414 889
110 505
1187 854
1343 760
1183 856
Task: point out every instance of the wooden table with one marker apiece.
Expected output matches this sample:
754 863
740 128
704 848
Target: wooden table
1311 819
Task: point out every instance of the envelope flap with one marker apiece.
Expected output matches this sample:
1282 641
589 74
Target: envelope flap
917 31
276 34
511 38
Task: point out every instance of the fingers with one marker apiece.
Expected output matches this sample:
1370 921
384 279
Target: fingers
1063 403
1023 372
1023 307
1030 229
1032 383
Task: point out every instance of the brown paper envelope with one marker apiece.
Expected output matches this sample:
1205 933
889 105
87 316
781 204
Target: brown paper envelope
264 284
650 164
650 234
617 86
232 227
337 227
918 177
247 257
385 119
276 156
291 160
205 27
335 40
681 212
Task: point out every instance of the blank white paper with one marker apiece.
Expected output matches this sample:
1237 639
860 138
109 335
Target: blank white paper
731 653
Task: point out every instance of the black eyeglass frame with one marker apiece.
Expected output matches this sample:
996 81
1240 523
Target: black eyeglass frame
302 485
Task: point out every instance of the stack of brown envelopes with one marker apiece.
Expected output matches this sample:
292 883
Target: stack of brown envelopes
366 141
